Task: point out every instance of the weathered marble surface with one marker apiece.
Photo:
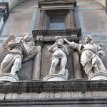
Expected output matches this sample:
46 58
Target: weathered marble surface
18 51
90 59
59 56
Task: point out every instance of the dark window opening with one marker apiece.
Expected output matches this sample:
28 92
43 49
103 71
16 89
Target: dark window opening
56 19
57 22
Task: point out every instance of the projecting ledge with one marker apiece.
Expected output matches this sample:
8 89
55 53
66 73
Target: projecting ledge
50 86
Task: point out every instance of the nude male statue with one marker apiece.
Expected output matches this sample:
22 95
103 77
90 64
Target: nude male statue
59 54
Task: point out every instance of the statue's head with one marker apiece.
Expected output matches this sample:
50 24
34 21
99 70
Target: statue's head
87 38
27 38
59 40
13 36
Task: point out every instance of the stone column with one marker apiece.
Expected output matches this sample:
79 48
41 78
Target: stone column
77 68
37 64
37 59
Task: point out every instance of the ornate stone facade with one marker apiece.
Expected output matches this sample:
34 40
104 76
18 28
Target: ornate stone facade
53 66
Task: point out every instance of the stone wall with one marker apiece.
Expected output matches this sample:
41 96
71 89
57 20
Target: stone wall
22 20
103 2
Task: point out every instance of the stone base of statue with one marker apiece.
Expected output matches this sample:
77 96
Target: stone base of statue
8 77
98 76
57 77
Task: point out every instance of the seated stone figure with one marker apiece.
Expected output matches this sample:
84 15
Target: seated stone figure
17 52
59 54
90 59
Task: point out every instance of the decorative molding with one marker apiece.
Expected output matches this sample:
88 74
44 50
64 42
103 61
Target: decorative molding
55 101
73 34
57 32
56 86
56 2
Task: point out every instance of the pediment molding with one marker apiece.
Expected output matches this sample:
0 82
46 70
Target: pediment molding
57 2
53 86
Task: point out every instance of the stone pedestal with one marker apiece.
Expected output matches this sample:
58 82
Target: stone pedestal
98 76
55 77
8 77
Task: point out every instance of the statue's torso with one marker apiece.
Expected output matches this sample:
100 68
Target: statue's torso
59 52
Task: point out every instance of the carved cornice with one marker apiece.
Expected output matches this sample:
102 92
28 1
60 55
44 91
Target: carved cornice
73 34
56 86
4 10
57 32
55 101
56 2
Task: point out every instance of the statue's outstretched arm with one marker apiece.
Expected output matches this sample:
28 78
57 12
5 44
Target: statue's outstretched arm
68 42
74 45
51 48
